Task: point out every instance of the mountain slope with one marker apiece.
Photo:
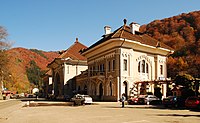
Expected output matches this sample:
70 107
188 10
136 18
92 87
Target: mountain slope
182 33
19 61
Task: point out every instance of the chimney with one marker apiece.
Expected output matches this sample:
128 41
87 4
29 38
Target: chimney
134 27
107 30
76 40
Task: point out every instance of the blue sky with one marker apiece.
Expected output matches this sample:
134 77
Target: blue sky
53 25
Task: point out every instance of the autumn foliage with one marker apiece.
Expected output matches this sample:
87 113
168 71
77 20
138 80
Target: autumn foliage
182 33
20 60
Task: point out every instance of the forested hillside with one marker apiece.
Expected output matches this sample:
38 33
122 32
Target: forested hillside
182 33
20 62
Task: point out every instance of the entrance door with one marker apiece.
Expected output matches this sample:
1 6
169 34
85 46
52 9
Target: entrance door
100 91
57 85
125 89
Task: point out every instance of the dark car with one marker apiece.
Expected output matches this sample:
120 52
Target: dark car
193 102
173 101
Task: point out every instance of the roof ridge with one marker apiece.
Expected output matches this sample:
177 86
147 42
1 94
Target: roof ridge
76 42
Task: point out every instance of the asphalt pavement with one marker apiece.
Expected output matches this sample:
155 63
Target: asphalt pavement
99 112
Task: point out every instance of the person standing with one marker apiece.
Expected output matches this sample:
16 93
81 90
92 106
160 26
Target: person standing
123 99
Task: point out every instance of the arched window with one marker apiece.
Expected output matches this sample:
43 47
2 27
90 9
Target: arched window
143 66
161 69
147 68
125 64
139 67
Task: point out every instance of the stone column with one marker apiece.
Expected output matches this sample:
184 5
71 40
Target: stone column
164 90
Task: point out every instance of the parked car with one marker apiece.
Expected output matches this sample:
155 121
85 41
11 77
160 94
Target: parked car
80 99
31 96
141 99
132 100
144 99
148 99
193 102
14 96
173 101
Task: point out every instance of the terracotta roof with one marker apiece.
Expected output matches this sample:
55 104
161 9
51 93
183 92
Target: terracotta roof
125 32
74 51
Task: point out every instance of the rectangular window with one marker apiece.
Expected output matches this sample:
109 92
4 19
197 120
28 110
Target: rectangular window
113 65
109 66
125 65
102 68
161 69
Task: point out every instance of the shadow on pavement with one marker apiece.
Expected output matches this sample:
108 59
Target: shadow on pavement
47 104
34 102
161 107
179 115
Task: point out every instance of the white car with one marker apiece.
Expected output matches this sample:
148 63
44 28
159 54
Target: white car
88 99
80 99
152 99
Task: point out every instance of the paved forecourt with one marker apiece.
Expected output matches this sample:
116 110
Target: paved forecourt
100 112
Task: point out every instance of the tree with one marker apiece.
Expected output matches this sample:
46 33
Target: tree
34 74
4 45
3 57
184 80
182 33
3 60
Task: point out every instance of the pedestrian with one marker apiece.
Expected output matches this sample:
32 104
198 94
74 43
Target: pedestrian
123 99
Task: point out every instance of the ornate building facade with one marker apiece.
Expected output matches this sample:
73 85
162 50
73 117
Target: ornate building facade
124 61
65 68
